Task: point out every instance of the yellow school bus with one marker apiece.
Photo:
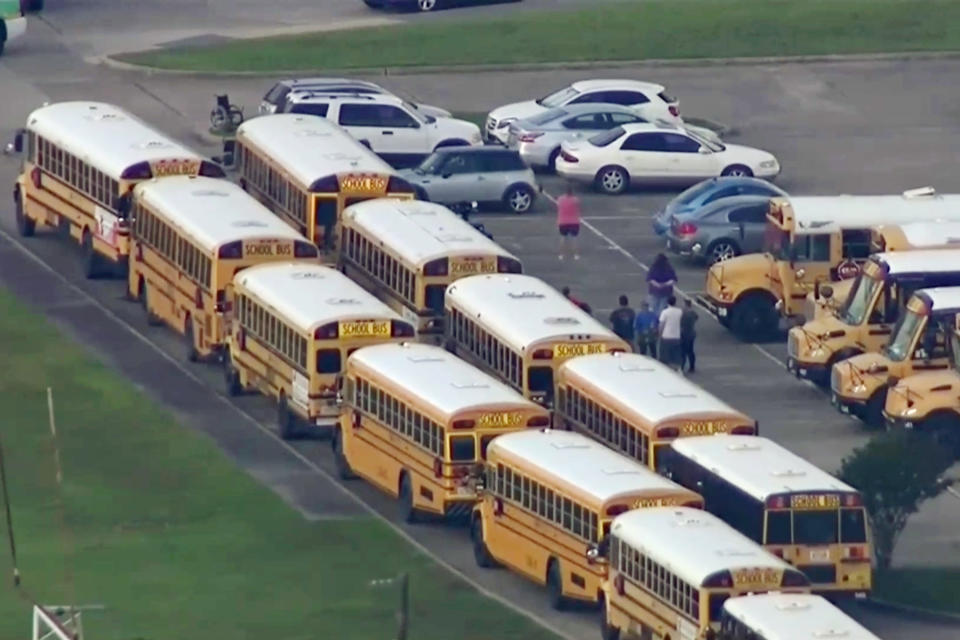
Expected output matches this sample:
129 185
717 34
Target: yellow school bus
910 236
672 568
80 162
787 616
307 169
864 323
408 251
190 235
294 326
548 496
520 328
928 401
637 405
919 343
809 241
417 422
797 511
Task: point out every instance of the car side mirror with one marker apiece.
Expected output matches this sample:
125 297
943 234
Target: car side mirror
826 292
445 175
17 145
705 150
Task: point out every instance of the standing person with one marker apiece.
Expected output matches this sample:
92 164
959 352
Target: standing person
647 327
622 319
568 222
670 334
688 333
577 301
660 281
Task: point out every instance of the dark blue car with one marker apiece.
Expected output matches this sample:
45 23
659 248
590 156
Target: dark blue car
703 193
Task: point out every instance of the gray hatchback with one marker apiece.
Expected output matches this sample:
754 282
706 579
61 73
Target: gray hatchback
486 175
720 230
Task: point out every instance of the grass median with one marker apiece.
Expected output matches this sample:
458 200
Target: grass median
173 539
642 30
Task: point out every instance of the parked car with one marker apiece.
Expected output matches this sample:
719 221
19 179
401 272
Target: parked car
426 5
711 190
641 153
390 126
720 230
281 95
646 98
538 138
487 175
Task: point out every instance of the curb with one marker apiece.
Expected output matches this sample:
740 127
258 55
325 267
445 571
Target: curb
542 66
911 611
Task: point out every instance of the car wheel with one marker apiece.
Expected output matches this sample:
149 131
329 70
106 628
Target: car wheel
519 198
455 142
721 250
613 180
426 5
737 171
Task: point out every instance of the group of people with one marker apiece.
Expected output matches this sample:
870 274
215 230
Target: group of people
661 328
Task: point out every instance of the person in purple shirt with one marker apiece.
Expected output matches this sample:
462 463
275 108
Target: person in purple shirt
660 281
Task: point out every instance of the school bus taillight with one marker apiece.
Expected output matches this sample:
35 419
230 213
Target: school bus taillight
618 584
401 330
508 265
852 500
211 170
743 430
139 171
304 250
617 509
327 332
794 579
399 185
543 354
439 267
231 250
35 177
538 421
668 432
721 580
463 424
777 502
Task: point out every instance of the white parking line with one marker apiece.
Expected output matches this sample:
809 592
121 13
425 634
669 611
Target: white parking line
632 258
289 449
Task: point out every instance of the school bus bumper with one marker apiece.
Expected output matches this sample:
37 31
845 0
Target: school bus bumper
847 405
817 372
720 310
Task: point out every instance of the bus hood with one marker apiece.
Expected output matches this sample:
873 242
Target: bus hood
929 387
817 340
728 279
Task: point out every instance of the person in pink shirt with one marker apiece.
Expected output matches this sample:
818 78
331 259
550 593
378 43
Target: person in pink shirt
568 222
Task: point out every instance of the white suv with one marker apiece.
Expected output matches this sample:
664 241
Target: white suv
649 100
280 94
392 127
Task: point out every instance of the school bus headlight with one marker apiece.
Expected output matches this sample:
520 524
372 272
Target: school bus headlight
860 388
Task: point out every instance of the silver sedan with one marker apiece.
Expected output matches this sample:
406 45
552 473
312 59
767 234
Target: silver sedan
538 138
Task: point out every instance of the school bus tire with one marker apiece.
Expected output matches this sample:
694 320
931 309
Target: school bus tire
481 554
91 261
555 585
25 226
231 377
189 343
285 420
344 470
872 415
752 317
607 630
144 294
408 513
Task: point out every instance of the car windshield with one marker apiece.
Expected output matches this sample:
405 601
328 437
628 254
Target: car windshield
432 163
417 114
859 300
691 194
547 116
903 336
713 146
604 138
557 98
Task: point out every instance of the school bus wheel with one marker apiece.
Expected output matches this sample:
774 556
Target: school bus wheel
607 630
555 585
91 261
344 471
872 414
189 342
231 376
408 512
25 226
285 422
481 554
152 319
752 317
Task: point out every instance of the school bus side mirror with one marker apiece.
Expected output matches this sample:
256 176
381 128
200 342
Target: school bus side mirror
17 145
826 292
597 553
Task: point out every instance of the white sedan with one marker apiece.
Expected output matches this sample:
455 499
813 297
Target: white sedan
657 154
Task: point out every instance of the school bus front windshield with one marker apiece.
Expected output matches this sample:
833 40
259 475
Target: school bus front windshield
864 292
908 328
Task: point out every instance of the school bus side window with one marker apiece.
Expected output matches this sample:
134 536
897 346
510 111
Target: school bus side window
856 244
812 248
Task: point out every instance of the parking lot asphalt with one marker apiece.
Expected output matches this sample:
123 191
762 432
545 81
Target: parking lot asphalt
849 127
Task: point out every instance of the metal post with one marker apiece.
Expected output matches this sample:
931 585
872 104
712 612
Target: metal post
6 504
404 613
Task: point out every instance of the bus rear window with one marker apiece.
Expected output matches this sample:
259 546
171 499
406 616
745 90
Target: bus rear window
328 361
778 527
815 527
462 449
853 527
540 379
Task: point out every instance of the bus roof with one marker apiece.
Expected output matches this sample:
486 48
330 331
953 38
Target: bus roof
920 261
827 214
437 377
420 231
691 543
582 466
758 466
522 310
105 136
311 295
795 616
930 233
211 210
941 298
310 147
645 386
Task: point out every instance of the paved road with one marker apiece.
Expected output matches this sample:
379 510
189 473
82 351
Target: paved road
854 127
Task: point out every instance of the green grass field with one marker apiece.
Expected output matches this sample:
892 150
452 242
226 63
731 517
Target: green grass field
175 540
932 589
642 30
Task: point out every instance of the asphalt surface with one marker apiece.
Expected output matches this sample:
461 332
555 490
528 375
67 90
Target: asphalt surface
852 127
